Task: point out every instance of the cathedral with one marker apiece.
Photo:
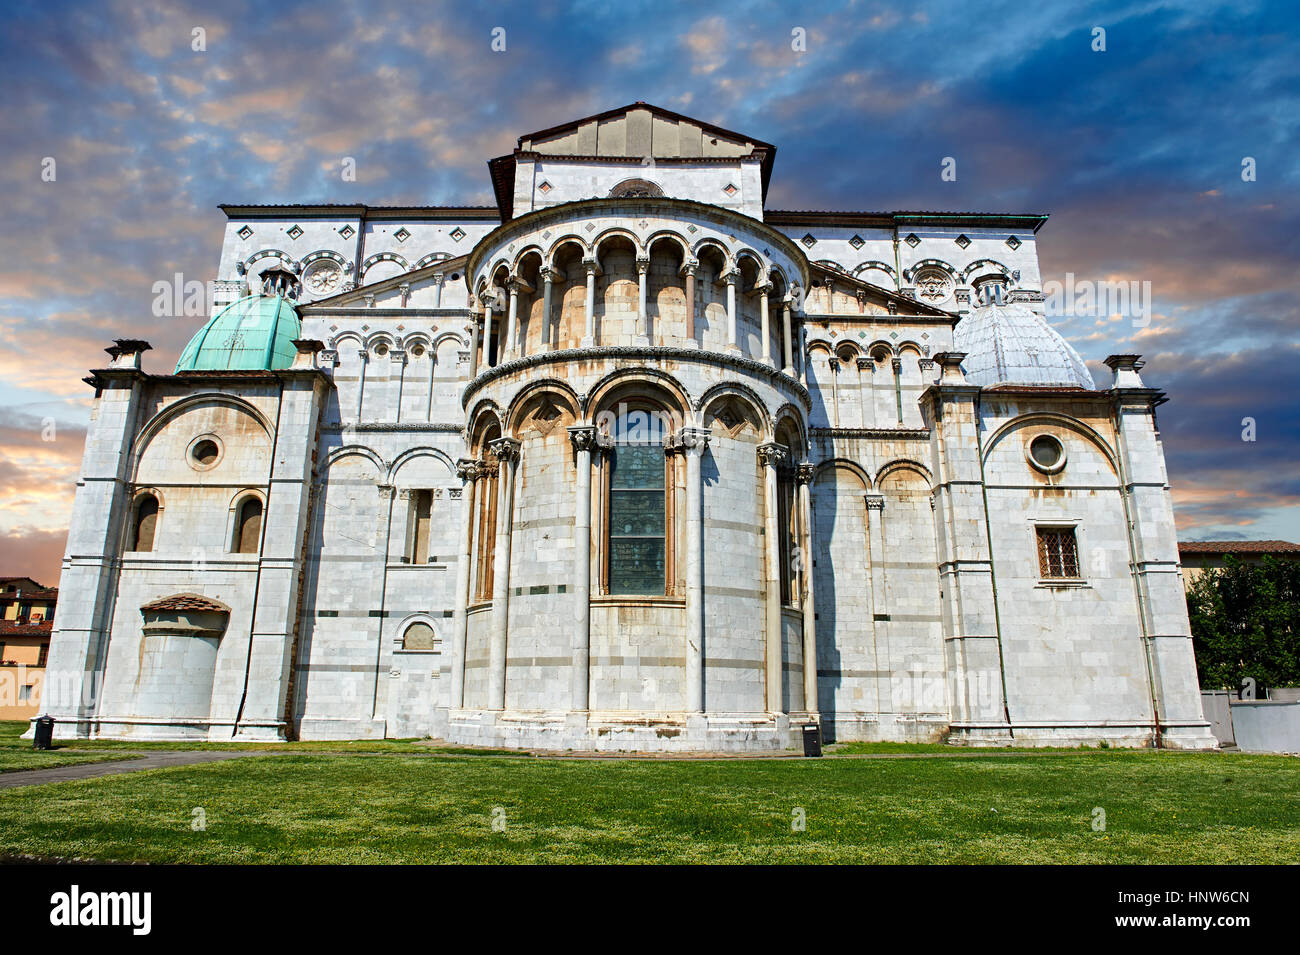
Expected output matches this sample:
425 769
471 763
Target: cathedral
626 461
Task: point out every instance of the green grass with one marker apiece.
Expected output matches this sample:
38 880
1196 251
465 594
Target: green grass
17 754
1013 808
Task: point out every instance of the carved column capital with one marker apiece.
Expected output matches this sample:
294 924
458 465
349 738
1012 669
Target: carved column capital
772 455
691 439
467 469
505 449
875 502
584 438
805 471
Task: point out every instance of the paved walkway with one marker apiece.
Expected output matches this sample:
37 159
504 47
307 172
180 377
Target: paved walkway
159 760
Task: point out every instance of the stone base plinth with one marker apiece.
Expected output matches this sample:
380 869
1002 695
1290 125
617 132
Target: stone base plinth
624 732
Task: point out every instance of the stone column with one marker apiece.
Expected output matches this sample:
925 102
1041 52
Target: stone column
512 321
689 268
584 445
788 367
867 369
507 452
693 441
363 356
642 336
730 278
1154 563
487 333
589 314
548 280
468 470
968 606
286 526
437 290
766 325
772 456
804 474
472 332
101 513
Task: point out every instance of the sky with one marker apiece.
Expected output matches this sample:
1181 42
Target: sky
1166 150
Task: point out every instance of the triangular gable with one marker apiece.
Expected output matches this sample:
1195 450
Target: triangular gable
414 278
879 294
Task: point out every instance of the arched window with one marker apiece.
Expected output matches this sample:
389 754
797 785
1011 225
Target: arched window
637 502
635 189
145 523
418 636
248 527
486 530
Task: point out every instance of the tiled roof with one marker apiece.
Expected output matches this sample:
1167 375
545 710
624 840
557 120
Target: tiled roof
1238 547
191 602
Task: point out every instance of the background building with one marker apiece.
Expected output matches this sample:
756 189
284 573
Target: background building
26 625
1200 556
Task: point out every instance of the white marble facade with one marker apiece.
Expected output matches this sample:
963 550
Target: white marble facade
851 527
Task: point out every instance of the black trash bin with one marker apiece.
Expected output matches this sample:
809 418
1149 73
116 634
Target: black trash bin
43 737
812 740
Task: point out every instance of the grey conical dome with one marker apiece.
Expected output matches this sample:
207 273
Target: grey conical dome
1014 345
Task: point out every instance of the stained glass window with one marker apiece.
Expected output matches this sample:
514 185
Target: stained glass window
636 519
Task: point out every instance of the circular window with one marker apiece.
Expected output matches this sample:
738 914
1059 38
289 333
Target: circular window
417 351
205 452
381 350
1046 453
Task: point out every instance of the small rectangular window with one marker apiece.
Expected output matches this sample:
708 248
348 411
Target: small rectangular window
25 693
45 655
1058 553
421 519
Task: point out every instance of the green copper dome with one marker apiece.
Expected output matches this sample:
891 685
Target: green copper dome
255 333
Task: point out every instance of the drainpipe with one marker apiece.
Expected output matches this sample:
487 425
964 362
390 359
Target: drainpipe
993 577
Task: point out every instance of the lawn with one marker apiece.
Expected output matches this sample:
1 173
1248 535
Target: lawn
16 753
984 807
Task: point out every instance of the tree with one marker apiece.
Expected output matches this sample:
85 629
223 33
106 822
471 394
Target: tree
1246 623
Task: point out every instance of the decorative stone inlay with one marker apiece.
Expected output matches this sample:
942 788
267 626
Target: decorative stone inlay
962 241
1013 243
347 232
912 239
857 242
402 234
809 240
545 187
245 233
933 285
457 234
651 352
295 232
730 189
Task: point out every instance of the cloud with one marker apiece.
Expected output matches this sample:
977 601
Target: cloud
1136 153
